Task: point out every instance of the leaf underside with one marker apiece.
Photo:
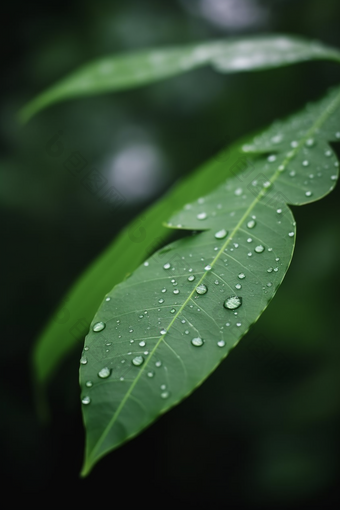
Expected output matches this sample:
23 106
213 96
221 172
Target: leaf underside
168 326
114 73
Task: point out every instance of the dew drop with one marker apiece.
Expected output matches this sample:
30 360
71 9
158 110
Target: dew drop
271 158
305 163
88 384
279 211
137 361
238 192
83 360
294 144
259 248
99 326
104 373
251 224
232 303
176 291
108 299
207 267
150 374
85 400
202 216
328 154
142 343
146 264
172 310
291 234
241 276
270 270
238 324
165 394
158 364
221 234
191 278
310 142
197 342
308 193
160 301
167 265
163 290
221 343
201 289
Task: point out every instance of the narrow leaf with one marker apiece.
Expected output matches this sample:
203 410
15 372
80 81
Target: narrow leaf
121 72
160 333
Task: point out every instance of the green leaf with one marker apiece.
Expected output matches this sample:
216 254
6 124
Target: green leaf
159 334
143 236
125 71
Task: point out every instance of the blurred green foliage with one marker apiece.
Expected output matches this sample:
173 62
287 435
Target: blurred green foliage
271 411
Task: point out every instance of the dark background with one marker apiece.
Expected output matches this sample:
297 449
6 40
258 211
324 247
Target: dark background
263 430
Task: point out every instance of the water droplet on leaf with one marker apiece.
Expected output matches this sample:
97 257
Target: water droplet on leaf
197 342
221 234
104 373
99 326
138 361
201 289
232 303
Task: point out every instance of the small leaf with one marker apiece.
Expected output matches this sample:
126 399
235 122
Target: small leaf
133 70
172 322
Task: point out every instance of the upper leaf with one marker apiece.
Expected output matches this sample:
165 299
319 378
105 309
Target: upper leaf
160 333
133 70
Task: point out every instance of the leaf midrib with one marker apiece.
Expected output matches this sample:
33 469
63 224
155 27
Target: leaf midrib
328 111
